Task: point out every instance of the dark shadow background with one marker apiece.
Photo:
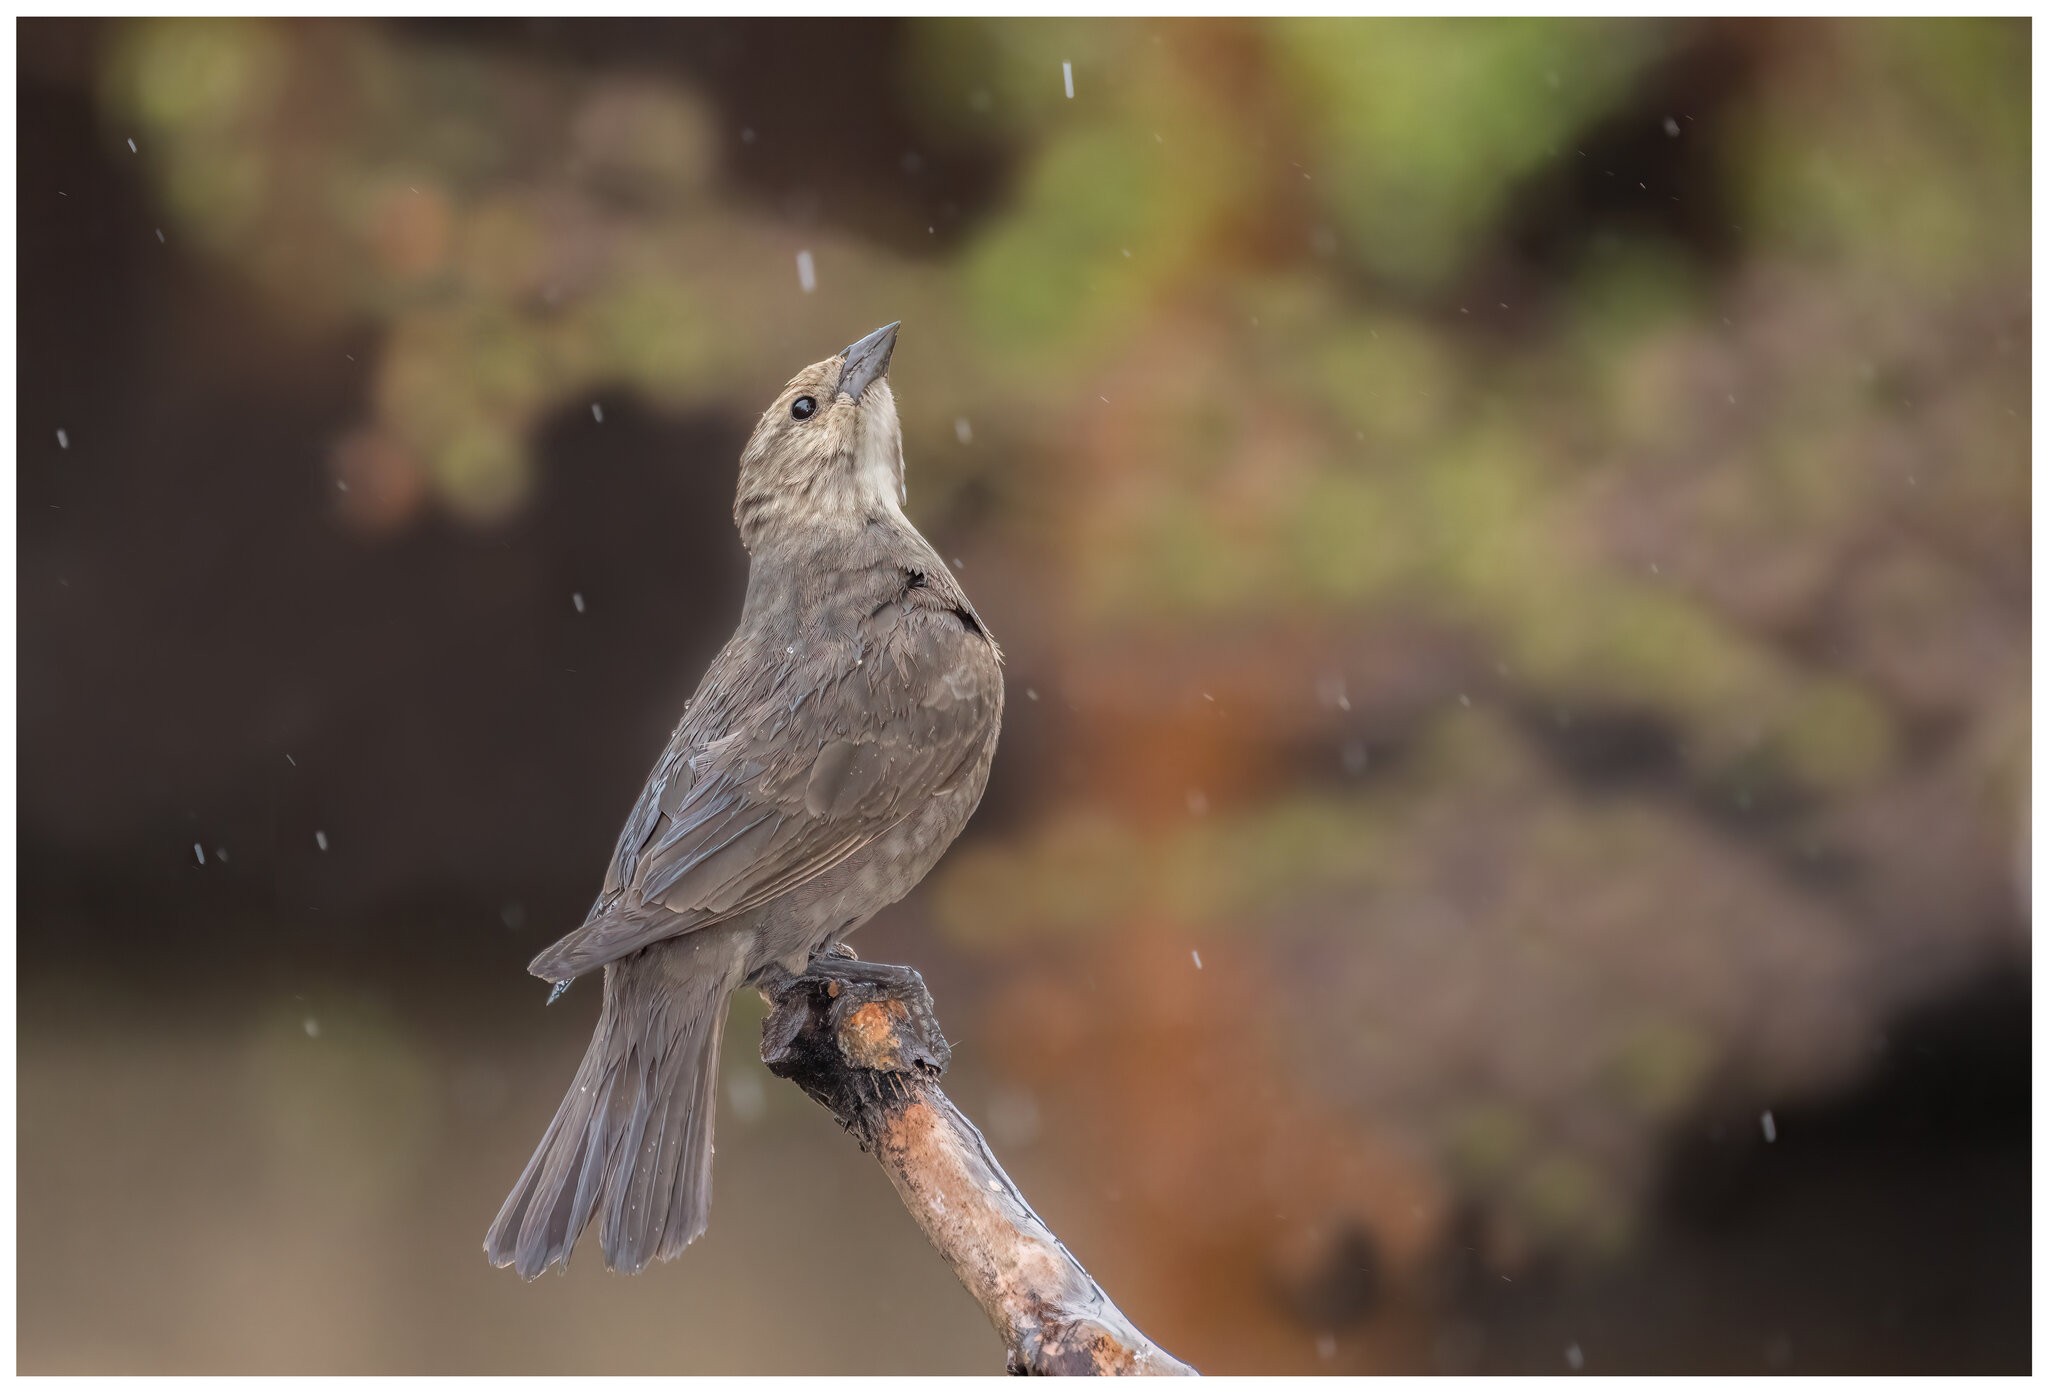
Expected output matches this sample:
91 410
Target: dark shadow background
1508 849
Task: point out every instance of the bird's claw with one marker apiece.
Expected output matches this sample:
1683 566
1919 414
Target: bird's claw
904 1037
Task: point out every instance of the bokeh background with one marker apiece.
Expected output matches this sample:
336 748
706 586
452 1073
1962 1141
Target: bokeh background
1508 851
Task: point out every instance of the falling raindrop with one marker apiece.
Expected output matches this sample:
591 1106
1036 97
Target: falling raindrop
806 272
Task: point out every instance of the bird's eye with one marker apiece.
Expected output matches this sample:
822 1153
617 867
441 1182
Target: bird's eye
803 407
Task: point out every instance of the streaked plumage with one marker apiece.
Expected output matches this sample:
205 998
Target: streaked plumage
834 749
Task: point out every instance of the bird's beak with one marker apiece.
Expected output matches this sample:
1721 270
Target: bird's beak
867 360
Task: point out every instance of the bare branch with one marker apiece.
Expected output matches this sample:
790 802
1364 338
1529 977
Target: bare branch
873 1061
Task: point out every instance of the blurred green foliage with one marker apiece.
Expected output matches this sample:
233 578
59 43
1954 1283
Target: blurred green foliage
1425 128
1256 305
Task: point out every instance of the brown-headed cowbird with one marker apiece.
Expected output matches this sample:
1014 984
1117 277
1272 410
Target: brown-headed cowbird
832 752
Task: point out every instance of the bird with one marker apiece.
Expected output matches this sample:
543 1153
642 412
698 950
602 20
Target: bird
833 750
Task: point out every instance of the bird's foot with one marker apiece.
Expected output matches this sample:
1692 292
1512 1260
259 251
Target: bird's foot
876 1017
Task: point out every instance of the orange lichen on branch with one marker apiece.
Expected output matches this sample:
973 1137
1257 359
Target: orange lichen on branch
868 1037
873 1060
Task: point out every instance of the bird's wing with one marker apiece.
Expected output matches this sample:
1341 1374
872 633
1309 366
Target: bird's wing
817 759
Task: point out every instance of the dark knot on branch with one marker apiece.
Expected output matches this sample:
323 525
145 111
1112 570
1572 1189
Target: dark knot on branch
863 1040
858 1041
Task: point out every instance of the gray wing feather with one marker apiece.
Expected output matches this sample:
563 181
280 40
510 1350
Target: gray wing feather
764 790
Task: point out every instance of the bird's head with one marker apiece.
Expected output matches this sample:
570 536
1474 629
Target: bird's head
828 449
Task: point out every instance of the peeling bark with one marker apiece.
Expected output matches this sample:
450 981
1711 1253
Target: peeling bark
873 1061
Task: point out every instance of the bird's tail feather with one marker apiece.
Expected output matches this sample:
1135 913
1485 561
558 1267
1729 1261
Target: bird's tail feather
632 1140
